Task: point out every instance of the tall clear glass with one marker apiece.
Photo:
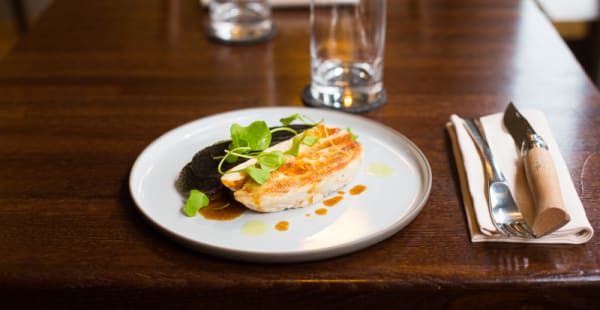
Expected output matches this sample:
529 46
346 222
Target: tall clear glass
240 21
346 47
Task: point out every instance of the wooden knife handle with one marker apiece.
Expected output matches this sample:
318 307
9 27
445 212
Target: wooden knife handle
550 213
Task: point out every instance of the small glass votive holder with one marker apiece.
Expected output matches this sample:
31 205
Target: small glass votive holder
240 21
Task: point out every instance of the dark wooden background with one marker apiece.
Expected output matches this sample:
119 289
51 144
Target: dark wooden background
94 82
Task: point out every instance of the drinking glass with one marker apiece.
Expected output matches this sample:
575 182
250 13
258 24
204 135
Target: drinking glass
347 43
240 21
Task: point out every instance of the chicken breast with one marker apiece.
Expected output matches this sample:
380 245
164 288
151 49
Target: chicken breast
308 178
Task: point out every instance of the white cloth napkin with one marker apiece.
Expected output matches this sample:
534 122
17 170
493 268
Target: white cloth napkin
473 180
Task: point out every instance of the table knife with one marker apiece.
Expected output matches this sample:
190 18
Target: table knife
550 212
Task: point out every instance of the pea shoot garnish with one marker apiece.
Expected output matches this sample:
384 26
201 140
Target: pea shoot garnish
196 201
251 142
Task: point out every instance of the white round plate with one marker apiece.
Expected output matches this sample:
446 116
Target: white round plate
392 199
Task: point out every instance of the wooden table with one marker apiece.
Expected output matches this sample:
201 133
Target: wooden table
94 82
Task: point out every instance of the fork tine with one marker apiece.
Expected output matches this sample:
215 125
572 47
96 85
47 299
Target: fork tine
517 230
524 228
510 231
505 229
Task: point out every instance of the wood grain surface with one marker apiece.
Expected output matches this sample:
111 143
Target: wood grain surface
94 82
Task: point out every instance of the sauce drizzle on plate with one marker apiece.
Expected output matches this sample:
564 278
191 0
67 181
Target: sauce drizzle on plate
357 189
215 211
282 225
332 201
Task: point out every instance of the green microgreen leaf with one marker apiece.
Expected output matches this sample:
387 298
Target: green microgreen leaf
235 154
231 157
354 137
256 136
271 161
310 140
196 201
295 148
259 175
251 141
288 129
237 136
286 121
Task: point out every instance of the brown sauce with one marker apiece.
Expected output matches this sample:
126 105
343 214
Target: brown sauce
332 201
357 189
321 211
214 211
282 226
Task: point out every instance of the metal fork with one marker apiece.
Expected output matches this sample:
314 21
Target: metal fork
505 214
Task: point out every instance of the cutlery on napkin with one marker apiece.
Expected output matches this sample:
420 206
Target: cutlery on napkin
472 179
542 178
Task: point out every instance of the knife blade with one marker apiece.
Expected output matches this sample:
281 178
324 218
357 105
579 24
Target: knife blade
550 213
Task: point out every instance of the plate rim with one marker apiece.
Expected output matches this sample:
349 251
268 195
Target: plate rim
288 256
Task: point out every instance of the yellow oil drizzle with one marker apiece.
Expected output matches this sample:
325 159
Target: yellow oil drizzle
255 228
380 170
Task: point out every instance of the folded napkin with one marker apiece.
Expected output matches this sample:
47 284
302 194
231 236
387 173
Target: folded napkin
473 180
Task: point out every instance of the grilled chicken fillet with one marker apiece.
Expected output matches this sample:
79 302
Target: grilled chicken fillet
317 171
